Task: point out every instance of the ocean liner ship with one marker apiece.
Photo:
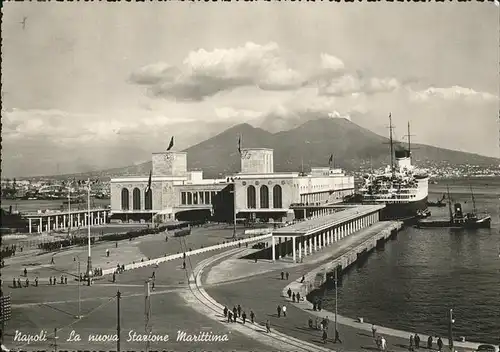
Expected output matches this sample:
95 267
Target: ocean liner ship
401 187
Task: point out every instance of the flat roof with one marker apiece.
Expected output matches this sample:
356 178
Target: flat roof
323 222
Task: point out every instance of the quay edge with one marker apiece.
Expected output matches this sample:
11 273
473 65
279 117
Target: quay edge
315 279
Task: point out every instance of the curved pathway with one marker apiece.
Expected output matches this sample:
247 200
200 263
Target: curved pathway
264 292
203 303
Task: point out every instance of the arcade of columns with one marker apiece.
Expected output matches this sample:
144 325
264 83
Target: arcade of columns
322 238
49 222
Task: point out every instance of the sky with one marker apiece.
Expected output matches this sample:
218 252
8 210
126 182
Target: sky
88 86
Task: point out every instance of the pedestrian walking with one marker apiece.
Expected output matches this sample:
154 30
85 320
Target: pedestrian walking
383 344
410 348
293 297
429 343
284 310
50 280
19 283
279 310
244 317
229 317
65 280
62 280
252 316
52 260
27 282
235 314
289 292
337 337
239 311
114 277
268 326
310 323
25 272
417 341
282 275
36 281
225 312
374 331
325 336
298 297
287 275
116 244
440 344
14 283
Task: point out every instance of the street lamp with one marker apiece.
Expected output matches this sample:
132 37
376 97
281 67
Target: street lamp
450 330
234 206
79 316
336 270
89 260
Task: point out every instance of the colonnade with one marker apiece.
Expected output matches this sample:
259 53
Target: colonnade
303 245
57 221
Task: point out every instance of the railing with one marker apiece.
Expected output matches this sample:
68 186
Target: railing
188 254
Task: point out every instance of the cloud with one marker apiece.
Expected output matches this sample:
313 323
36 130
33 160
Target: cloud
349 84
451 93
154 73
331 63
206 73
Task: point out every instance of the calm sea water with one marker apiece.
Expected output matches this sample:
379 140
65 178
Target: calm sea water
32 206
413 282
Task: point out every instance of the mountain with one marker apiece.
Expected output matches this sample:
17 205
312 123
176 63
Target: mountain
309 144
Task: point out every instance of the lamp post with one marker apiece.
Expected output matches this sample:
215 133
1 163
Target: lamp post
147 309
450 330
79 316
336 270
89 260
234 206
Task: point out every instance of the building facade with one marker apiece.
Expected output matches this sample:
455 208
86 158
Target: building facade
256 192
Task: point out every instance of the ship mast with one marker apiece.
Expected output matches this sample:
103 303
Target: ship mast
409 139
449 202
473 200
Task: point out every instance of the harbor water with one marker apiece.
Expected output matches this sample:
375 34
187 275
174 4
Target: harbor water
414 280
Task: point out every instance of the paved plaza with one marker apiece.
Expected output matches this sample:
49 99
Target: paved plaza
47 306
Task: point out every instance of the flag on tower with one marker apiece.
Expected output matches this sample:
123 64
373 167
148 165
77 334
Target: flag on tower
148 187
239 144
330 161
171 144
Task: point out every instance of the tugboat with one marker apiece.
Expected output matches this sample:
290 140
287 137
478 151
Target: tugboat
402 188
458 219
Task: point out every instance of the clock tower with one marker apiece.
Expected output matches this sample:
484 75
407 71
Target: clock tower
169 164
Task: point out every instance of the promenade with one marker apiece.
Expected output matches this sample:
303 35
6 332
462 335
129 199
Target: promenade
47 307
262 292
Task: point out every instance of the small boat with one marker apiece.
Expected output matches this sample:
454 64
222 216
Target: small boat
458 219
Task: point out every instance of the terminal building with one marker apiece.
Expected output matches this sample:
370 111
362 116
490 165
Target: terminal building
256 193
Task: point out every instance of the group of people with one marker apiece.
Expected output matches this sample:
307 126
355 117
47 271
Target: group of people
18 284
238 312
295 297
323 327
62 281
415 343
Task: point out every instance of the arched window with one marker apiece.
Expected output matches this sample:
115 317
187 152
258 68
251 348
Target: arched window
125 202
251 199
264 197
136 199
277 197
148 200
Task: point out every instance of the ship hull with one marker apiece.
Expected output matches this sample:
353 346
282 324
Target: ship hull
484 223
403 211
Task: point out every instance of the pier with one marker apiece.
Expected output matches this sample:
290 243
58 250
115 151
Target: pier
316 233
46 222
